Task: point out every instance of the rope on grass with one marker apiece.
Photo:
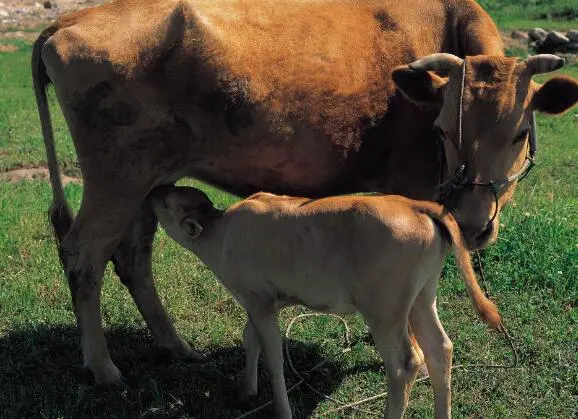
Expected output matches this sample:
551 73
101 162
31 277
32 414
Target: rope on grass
302 376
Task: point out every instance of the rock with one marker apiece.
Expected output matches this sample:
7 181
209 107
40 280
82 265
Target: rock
556 38
537 34
572 35
4 13
571 47
534 45
547 47
47 5
519 35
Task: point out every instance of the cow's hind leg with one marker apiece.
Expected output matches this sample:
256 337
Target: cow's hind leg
84 252
436 345
133 264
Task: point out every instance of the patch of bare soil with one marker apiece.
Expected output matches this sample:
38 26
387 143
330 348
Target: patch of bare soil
33 173
8 48
31 15
514 42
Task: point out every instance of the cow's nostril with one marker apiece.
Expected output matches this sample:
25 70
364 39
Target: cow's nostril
485 234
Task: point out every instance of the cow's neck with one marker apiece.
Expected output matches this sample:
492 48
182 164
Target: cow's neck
398 156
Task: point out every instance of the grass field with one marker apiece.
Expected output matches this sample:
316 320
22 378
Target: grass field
547 14
532 272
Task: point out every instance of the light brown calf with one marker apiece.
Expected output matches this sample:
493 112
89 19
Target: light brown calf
379 255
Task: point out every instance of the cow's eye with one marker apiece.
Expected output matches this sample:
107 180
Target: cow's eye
521 136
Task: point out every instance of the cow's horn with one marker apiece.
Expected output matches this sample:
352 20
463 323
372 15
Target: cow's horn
437 62
544 63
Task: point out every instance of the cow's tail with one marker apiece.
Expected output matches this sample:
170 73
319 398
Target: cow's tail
486 309
59 213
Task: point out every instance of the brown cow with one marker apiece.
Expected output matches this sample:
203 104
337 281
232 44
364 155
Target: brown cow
299 97
379 255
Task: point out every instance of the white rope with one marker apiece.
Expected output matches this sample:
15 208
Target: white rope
354 405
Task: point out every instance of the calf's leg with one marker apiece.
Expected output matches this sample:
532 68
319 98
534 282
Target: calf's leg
133 264
252 350
265 322
436 345
422 370
401 361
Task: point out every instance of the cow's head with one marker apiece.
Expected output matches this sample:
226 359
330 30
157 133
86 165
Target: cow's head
498 98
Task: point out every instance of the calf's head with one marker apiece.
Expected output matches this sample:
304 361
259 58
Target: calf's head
486 106
183 212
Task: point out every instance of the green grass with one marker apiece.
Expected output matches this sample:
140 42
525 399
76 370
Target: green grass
547 14
532 273
21 142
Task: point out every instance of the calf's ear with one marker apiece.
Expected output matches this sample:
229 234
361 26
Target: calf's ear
423 88
555 96
192 227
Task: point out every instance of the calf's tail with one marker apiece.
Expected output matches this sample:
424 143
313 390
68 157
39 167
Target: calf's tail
59 212
486 309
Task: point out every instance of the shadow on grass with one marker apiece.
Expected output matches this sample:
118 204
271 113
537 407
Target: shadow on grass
41 375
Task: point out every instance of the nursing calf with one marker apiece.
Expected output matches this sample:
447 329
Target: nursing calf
379 255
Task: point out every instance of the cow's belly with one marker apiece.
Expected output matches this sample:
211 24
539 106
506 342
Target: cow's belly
305 165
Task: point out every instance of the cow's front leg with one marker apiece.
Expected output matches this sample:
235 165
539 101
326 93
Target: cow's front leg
133 264
84 251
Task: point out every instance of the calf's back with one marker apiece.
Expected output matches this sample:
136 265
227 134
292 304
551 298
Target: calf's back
324 253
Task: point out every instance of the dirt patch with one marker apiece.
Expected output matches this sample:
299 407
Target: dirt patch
33 173
32 15
28 36
8 48
511 42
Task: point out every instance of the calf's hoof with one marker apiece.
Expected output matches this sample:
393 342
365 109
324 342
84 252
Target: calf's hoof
245 399
240 400
282 413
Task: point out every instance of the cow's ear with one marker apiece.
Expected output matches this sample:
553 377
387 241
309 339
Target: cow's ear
191 226
420 87
555 96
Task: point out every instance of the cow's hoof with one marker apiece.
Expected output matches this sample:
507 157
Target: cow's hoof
195 356
166 355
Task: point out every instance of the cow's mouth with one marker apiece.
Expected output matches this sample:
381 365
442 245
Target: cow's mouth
478 239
